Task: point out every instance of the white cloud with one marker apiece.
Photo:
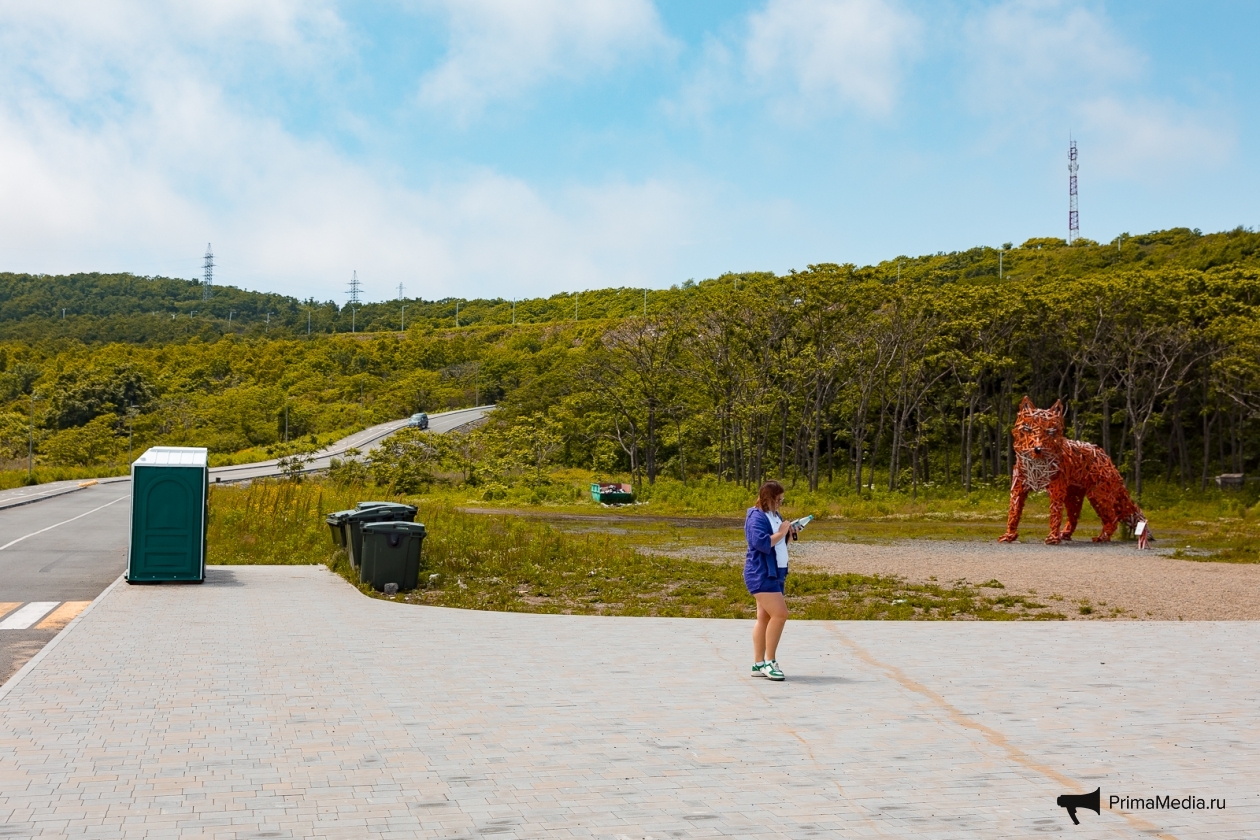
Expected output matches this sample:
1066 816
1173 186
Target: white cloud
80 49
132 159
1044 68
1141 139
812 54
500 49
1028 53
806 59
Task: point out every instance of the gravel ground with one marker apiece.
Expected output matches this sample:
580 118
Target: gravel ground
1142 584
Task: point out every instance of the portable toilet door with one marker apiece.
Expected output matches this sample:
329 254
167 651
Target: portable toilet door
169 487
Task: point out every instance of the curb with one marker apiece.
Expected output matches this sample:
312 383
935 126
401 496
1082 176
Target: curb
44 498
53 642
83 485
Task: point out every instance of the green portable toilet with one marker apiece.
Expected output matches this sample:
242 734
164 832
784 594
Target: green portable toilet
168 515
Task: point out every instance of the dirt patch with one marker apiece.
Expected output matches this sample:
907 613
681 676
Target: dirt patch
18 647
1107 581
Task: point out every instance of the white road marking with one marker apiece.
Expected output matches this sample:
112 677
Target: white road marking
59 524
28 615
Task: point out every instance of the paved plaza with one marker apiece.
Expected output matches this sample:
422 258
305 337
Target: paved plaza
279 702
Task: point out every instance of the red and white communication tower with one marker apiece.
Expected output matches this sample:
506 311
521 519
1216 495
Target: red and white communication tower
1074 216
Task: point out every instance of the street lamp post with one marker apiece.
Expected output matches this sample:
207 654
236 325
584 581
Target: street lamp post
30 452
131 415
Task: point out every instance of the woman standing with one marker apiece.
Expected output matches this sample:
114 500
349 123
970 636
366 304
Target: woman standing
765 573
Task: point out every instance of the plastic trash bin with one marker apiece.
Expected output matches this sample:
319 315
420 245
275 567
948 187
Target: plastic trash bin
404 513
391 554
356 519
169 498
337 524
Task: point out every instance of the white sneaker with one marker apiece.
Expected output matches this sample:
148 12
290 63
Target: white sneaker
772 672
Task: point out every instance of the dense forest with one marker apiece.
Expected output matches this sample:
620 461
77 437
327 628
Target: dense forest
902 373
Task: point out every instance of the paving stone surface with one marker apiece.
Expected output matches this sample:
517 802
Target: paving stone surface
279 702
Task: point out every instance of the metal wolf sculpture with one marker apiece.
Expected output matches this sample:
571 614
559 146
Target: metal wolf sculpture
1071 471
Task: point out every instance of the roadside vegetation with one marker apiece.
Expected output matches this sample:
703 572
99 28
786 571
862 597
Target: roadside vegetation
880 394
522 564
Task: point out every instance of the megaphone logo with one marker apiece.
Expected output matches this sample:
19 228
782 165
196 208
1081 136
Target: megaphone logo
1072 801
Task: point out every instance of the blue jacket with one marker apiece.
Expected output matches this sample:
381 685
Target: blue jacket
760 551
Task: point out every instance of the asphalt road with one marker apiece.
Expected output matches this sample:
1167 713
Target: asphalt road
364 441
62 544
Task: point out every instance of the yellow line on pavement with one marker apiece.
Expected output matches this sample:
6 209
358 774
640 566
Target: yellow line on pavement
9 606
62 616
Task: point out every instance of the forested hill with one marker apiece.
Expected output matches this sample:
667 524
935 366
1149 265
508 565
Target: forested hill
103 308
912 367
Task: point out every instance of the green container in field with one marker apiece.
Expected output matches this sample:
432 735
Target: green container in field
169 504
403 512
391 554
337 525
379 512
612 494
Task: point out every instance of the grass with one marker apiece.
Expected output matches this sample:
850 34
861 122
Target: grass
522 564
13 473
1209 525
44 475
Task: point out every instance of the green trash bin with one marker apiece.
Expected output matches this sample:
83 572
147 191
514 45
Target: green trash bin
404 513
391 554
169 499
337 525
356 519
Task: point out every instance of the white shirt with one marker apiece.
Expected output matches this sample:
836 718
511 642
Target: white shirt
780 548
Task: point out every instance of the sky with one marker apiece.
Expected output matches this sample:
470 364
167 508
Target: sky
512 148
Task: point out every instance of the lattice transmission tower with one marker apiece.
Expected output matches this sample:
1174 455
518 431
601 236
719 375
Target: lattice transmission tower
354 290
1074 216
207 279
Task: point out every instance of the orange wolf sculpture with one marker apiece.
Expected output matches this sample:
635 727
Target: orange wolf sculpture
1072 472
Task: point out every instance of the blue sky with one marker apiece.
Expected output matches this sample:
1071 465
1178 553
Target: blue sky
519 147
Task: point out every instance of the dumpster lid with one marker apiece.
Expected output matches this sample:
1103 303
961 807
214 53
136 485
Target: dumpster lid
173 456
393 528
338 515
372 514
366 505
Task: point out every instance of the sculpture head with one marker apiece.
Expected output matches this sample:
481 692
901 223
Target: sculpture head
1038 432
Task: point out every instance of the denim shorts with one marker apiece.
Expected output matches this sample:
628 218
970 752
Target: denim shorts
757 581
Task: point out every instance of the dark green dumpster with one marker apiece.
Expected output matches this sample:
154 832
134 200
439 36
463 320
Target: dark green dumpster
168 515
383 512
337 524
391 554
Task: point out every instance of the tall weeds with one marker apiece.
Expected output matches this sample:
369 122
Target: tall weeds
522 564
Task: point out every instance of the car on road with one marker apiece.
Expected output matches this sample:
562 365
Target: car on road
419 421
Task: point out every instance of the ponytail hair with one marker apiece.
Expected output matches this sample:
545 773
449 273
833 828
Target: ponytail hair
769 491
